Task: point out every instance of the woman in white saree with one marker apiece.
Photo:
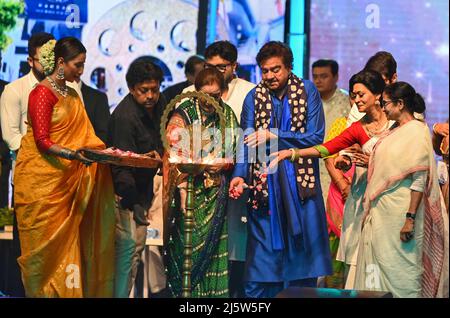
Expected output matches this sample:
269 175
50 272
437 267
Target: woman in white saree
404 240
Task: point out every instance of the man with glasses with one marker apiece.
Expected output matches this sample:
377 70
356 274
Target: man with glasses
220 67
223 55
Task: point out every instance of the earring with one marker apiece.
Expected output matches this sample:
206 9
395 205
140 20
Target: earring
60 73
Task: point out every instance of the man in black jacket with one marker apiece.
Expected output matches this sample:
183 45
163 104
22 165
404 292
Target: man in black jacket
134 126
193 66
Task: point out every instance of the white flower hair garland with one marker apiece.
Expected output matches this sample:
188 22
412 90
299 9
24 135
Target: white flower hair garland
47 57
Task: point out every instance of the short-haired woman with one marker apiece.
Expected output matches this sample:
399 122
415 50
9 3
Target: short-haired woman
209 236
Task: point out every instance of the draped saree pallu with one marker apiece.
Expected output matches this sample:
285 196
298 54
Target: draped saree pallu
210 235
353 208
419 267
65 210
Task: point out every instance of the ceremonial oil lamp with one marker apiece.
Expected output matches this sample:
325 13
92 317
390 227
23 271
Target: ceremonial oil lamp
192 166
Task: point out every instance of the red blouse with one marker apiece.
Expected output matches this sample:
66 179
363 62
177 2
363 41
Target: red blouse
355 134
40 107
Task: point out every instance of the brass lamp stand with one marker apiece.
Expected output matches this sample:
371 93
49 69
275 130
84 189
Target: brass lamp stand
191 169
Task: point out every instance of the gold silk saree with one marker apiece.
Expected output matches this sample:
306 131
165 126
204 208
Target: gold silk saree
65 211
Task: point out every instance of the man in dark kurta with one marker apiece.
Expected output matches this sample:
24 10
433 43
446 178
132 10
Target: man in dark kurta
288 237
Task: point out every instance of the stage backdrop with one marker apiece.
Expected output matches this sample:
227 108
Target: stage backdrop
115 32
416 33
248 24
350 31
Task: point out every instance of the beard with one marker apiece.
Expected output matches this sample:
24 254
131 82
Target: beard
38 74
229 78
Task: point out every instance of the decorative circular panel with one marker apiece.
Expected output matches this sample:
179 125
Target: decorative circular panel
164 30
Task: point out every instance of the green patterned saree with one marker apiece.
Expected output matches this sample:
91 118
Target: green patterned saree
210 237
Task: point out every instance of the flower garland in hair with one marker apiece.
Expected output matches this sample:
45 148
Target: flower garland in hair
47 57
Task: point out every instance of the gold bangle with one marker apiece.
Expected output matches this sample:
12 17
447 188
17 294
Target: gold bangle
293 154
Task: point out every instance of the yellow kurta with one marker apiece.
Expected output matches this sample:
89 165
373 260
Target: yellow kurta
65 211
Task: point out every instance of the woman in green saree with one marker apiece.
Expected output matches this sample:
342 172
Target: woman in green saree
209 238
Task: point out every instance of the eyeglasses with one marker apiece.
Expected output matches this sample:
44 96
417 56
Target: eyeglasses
220 67
384 103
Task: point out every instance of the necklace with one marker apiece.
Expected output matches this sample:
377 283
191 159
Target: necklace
63 91
377 132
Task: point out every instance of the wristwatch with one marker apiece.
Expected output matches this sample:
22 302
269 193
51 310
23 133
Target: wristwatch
410 215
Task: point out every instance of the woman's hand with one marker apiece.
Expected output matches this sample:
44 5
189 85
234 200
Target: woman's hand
279 156
344 187
343 162
80 157
355 148
153 154
361 160
407 231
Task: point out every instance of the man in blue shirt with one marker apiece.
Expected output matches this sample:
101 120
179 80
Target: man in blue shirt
287 230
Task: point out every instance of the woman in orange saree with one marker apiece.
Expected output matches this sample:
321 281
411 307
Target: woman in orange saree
64 203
